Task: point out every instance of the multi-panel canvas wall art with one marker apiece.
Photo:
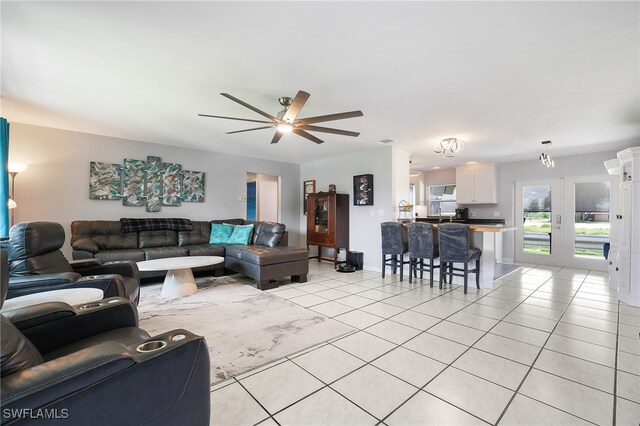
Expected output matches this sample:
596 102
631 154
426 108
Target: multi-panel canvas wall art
133 183
192 186
154 183
150 183
105 181
171 184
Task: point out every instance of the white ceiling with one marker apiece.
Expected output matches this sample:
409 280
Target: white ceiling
503 76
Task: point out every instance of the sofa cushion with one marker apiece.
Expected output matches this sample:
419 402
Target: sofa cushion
260 255
149 239
231 250
107 234
135 255
162 252
268 234
205 250
220 233
199 235
241 234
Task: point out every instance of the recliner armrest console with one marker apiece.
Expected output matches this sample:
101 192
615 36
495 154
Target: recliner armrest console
80 369
47 325
122 268
178 371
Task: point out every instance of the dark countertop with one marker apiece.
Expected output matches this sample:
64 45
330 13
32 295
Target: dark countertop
473 221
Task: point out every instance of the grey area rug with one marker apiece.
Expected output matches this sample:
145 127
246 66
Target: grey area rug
245 328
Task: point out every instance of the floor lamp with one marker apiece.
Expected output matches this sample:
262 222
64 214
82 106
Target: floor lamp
14 169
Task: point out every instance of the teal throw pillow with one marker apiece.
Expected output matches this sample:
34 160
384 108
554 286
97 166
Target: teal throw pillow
220 233
241 234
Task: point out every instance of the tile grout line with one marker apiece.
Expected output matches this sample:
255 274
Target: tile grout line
380 421
615 373
468 348
441 320
517 392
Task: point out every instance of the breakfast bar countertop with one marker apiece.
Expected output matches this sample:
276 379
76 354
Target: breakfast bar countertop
483 228
488 238
491 228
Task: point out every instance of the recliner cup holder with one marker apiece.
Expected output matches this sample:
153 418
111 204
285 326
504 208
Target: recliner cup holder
90 306
151 346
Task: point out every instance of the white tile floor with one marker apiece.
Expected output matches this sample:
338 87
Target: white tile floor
545 346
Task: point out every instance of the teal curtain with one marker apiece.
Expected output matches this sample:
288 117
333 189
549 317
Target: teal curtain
4 178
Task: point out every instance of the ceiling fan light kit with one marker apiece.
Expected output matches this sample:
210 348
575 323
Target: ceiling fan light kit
284 127
449 147
287 121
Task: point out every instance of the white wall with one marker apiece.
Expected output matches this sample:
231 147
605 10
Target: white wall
364 221
401 177
418 182
267 198
55 187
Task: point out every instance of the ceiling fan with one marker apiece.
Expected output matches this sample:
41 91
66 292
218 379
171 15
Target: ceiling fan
286 121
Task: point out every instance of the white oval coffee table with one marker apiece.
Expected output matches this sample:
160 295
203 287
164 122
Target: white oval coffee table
179 281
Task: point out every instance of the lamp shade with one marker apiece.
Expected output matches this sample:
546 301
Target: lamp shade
17 167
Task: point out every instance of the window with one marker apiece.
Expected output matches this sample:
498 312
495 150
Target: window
442 200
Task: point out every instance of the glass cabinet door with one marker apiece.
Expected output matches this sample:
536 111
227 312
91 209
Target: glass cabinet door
321 215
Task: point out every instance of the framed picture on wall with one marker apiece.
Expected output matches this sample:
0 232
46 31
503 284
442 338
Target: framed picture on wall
363 190
308 187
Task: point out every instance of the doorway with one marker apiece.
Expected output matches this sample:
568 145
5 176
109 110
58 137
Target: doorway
263 197
563 222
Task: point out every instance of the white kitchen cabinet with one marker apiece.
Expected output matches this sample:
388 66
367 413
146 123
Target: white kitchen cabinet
477 184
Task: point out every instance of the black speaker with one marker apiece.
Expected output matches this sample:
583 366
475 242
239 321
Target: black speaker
356 258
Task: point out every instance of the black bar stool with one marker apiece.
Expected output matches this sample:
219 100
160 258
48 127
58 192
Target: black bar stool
421 248
454 247
393 245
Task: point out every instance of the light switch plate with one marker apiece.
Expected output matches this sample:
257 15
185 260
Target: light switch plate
472 214
496 214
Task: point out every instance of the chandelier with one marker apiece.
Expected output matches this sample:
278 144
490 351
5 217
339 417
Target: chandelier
449 147
546 159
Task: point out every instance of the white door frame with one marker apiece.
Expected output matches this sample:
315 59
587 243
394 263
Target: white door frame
569 258
555 257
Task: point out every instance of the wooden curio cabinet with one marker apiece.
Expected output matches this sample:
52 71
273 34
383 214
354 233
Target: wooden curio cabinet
328 223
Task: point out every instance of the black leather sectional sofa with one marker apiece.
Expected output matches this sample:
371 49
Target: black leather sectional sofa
266 259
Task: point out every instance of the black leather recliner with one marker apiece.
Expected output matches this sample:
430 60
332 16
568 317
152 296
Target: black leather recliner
91 364
36 264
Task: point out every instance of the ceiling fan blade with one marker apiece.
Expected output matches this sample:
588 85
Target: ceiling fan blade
306 135
328 130
233 118
277 137
251 107
249 130
330 117
295 107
